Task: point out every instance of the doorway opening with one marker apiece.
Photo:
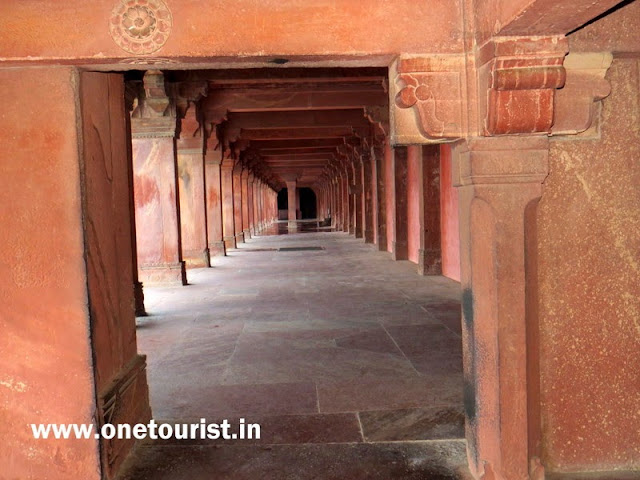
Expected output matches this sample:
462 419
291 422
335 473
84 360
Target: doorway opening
308 204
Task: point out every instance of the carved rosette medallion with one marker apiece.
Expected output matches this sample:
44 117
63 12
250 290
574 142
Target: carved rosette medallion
140 26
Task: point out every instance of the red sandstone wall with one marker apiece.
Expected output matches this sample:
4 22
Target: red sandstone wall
589 266
414 180
46 372
449 226
389 200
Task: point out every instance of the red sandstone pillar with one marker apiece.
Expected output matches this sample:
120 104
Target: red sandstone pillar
138 291
291 204
499 182
228 219
379 197
251 204
298 213
155 189
367 197
346 206
237 201
191 180
259 198
244 181
213 181
430 251
357 197
399 246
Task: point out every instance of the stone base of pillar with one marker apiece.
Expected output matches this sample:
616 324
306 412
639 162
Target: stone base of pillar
164 274
230 242
358 234
138 296
217 249
197 259
368 236
430 262
124 400
292 226
399 251
247 234
240 238
382 241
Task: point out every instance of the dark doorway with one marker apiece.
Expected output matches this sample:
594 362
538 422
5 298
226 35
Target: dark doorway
308 205
283 204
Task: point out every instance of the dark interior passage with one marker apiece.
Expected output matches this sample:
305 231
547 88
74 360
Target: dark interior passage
308 203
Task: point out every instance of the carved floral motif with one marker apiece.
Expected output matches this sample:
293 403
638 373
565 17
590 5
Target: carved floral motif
140 26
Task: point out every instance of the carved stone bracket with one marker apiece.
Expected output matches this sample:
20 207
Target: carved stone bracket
433 87
520 76
154 115
577 104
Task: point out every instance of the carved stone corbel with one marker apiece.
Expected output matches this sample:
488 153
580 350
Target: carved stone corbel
154 113
578 103
433 88
520 76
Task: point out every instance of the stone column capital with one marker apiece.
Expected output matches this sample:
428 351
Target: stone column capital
501 160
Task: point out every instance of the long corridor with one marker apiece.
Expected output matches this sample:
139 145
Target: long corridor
350 362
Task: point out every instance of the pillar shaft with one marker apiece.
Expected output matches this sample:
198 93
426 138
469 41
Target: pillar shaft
430 251
157 209
500 183
292 198
399 246
191 183
213 180
357 198
244 179
237 202
367 198
228 219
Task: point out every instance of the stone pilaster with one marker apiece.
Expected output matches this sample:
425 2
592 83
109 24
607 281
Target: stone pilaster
500 183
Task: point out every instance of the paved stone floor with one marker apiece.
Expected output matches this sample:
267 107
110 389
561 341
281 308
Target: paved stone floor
349 361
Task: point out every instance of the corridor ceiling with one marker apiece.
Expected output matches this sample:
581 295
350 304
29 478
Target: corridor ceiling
289 121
